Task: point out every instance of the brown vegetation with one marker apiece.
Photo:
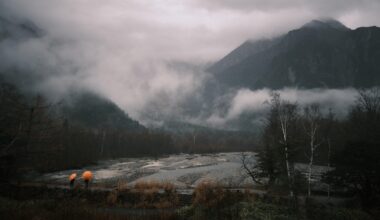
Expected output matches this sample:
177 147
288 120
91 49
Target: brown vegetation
153 194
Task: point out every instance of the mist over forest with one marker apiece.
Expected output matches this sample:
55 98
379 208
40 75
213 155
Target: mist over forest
280 99
151 92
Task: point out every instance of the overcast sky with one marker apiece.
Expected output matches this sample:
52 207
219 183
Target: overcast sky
120 48
185 29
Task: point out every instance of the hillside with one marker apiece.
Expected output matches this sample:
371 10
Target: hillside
93 111
319 54
81 107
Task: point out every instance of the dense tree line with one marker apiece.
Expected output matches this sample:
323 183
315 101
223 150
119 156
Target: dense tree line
36 135
213 141
351 146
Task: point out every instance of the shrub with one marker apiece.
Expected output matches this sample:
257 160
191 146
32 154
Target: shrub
208 194
122 185
260 211
337 214
155 194
212 201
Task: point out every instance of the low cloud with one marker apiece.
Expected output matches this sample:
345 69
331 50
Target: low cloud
148 56
256 103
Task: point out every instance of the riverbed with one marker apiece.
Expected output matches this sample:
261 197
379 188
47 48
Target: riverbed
183 170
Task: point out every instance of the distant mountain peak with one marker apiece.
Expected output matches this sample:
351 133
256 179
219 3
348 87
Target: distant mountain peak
322 53
325 23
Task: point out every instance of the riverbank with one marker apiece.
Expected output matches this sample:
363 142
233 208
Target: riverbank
155 201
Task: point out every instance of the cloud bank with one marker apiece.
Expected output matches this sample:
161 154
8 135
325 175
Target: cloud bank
248 102
147 55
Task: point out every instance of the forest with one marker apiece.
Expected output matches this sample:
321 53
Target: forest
39 136
348 147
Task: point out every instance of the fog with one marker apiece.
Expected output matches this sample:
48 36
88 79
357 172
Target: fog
257 103
149 56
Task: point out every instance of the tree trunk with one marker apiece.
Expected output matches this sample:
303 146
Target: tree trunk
310 172
328 165
102 146
288 171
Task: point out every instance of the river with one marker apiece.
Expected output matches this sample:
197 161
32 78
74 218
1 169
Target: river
183 170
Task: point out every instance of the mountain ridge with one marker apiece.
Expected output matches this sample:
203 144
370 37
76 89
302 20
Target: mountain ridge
80 107
332 57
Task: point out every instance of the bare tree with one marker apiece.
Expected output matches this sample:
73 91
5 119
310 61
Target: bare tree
11 113
251 168
312 122
365 115
5 149
194 134
369 101
104 133
327 137
357 165
287 117
27 131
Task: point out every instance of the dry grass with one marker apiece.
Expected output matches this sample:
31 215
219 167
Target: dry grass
154 194
122 185
143 186
70 209
144 195
208 194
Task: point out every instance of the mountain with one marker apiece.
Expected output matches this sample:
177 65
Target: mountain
93 111
321 53
81 107
245 50
326 23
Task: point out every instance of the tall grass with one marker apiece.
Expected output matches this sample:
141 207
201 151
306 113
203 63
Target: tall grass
145 195
71 210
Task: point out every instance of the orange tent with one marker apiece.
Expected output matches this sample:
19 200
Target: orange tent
72 176
87 175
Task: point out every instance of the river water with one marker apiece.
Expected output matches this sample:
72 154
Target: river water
183 170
